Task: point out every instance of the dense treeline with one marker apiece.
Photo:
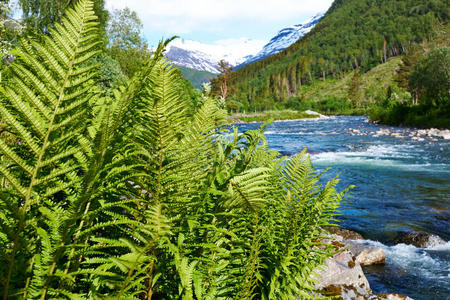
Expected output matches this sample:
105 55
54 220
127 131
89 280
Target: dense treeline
425 74
353 35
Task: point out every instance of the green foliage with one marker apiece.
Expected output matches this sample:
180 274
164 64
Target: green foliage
354 89
125 29
430 77
130 60
351 35
10 31
126 45
271 115
111 75
424 72
406 114
137 195
40 15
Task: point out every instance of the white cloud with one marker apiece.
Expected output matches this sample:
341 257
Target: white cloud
181 16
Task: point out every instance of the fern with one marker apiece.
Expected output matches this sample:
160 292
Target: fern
138 196
42 106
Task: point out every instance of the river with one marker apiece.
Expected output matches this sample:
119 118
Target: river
402 184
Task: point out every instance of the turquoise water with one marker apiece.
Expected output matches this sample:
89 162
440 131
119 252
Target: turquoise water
402 184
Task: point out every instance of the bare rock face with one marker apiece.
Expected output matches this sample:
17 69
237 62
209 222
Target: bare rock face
420 239
343 275
344 233
366 255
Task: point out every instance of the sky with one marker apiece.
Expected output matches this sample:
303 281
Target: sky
213 21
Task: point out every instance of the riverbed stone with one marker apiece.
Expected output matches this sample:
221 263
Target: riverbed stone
389 296
419 239
366 255
346 234
343 271
444 133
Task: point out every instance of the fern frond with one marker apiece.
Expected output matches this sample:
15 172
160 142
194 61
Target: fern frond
248 189
40 104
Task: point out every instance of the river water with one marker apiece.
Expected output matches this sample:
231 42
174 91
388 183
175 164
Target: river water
402 184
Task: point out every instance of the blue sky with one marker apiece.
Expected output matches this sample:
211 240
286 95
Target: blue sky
208 21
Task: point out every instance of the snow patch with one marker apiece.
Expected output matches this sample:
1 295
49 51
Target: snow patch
285 38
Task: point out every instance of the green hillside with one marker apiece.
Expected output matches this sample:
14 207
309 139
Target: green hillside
196 77
331 96
354 34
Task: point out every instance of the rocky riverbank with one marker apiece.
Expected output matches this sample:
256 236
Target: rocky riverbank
420 135
342 275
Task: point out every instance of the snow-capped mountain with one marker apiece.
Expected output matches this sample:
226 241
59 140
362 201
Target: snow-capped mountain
284 38
205 57
191 59
238 52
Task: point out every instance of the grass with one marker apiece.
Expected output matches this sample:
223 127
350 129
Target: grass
330 96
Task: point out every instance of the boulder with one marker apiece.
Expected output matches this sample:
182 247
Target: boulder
343 274
344 292
344 233
366 255
445 134
419 239
389 296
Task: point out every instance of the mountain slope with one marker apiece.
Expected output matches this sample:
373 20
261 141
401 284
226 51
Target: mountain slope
240 52
352 34
205 57
196 77
284 38
192 59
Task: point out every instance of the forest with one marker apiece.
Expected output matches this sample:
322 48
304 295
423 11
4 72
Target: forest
353 37
118 182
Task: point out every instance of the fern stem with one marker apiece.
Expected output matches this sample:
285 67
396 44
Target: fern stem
27 282
77 234
132 269
11 267
250 266
161 156
150 282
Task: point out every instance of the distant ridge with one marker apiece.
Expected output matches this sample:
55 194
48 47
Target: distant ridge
241 52
284 38
206 57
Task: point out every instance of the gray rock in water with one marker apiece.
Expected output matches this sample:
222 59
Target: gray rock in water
419 239
342 277
366 255
389 296
345 274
